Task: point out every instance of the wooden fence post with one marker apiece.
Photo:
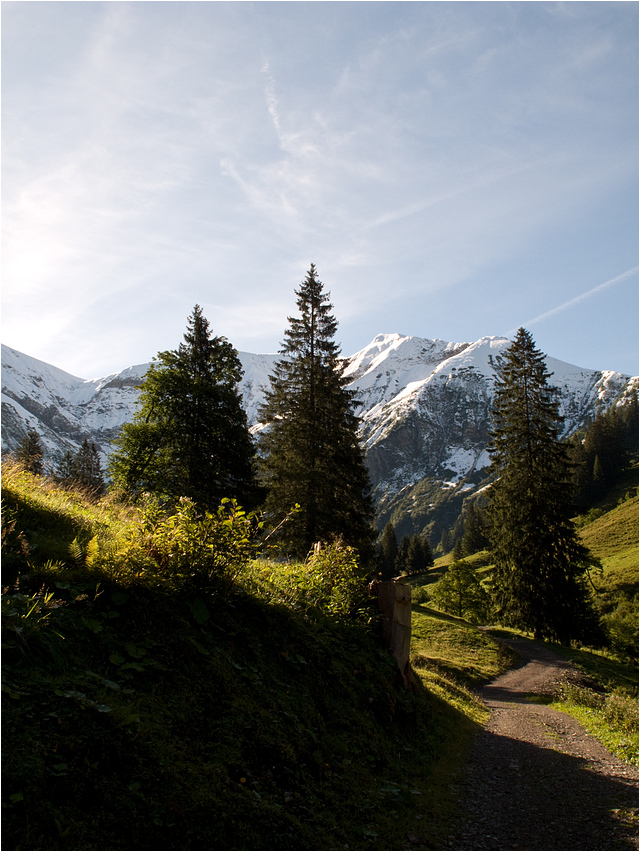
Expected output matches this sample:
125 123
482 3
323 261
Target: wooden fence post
394 603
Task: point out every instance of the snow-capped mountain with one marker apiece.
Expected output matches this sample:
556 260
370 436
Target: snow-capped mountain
424 404
65 409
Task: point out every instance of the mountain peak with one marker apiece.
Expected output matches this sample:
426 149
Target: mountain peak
424 405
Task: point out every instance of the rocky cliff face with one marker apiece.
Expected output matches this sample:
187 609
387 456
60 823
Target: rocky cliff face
424 404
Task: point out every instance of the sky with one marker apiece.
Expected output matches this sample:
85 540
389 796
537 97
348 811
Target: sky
454 170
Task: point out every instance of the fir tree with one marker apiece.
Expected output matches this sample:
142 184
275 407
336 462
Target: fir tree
82 469
30 452
189 437
458 550
88 468
419 556
445 541
540 562
388 551
403 555
474 537
310 454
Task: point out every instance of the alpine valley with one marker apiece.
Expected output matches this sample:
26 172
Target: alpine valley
424 407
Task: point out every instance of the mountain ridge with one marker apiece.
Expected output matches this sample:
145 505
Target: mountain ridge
424 405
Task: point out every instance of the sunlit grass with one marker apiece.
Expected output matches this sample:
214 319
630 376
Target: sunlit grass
612 719
452 658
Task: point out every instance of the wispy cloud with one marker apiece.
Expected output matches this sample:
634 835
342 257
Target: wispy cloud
577 299
183 152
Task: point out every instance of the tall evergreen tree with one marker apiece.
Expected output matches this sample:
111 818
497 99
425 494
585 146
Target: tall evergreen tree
388 552
540 562
189 437
30 452
403 554
419 556
310 454
474 538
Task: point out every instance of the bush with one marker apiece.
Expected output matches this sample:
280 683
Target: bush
329 582
461 593
201 548
621 629
337 577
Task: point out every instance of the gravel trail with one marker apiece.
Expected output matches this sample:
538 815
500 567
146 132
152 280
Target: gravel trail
536 780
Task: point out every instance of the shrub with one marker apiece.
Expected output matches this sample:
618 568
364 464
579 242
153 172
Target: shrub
335 573
621 629
201 548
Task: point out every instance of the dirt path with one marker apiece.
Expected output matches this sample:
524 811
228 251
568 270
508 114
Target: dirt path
536 780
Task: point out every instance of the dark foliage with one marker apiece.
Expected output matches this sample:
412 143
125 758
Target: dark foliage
540 561
30 452
603 452
387 553
190 436
414 555
474 537
82 469
310 454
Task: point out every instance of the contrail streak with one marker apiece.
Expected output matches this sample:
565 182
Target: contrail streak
576 299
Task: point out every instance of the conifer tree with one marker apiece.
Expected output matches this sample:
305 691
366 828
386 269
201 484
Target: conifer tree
388 552
474 538
30 452
403 555
82 469
189 437
540 562
310 454
88 467
445 541
458 550
419 556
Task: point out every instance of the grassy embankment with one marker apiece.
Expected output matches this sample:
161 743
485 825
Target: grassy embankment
143 711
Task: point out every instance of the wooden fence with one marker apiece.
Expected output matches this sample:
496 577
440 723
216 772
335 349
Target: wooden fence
394 603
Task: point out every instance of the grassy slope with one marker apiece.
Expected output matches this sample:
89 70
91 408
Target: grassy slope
134 718
613 538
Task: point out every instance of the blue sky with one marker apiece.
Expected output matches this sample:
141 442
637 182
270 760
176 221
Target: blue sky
453 169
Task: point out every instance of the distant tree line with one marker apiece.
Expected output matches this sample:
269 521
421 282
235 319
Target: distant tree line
412 556
82 469
603 450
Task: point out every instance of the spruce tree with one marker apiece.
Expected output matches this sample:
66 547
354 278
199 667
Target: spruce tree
474 538
309 451
403 555
416 557
30 452
458 550
388 551
82 469
189 437
88 469
540 562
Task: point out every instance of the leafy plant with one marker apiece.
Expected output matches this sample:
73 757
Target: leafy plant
204 547
460 592
25 622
